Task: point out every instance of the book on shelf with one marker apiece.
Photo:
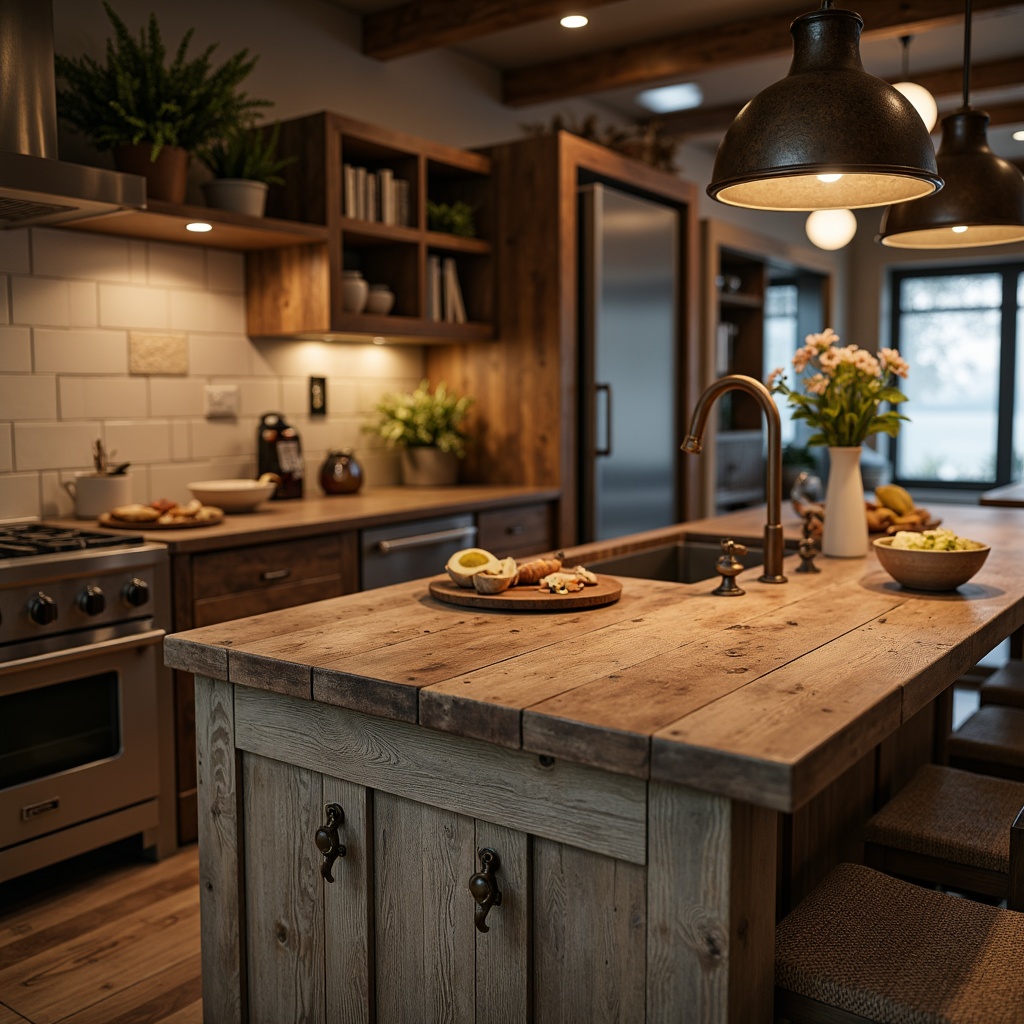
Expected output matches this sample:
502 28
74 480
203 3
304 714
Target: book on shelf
360 210
434 310
372 202
454 308
349 175
403 214
386 194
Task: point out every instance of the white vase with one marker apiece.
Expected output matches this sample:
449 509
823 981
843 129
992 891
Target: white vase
846 522
429 467
354 291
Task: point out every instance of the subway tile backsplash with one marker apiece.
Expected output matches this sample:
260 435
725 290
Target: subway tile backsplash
68 302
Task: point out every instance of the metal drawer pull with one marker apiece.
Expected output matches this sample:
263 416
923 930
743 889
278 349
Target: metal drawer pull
275 574
327 840
514 531
421 540
484 886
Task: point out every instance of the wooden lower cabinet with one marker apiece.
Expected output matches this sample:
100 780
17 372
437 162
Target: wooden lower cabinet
394 938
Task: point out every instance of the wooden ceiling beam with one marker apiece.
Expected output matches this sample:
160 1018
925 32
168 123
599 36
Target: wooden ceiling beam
715 46
1003 113
427 24
997 74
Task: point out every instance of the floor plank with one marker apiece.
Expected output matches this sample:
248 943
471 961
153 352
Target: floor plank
102 938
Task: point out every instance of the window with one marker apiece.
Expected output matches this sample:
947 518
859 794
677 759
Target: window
780 342
960 330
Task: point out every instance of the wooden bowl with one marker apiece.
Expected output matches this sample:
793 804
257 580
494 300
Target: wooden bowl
233 495
929 570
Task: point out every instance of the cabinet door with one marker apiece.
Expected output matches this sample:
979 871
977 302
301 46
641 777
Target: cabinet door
307 939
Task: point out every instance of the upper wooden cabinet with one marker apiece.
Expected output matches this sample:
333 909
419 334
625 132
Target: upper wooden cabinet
297 291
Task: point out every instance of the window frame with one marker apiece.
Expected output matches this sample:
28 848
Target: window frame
1010 272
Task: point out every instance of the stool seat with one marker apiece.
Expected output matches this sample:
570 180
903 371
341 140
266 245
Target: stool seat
990 741
881 949
951 815
1005 686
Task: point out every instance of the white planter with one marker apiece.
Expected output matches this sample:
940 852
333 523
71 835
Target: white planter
239 195
429 467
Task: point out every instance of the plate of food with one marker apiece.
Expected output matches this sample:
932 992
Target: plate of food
162 514
478 579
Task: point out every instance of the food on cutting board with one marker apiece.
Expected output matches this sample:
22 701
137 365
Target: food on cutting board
475 568
895 510
933 540
166 512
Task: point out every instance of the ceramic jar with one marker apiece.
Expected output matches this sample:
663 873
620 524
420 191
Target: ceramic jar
846 523
341 473
354 291
380 299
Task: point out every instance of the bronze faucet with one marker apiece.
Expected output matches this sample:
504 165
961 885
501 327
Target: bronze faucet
693 443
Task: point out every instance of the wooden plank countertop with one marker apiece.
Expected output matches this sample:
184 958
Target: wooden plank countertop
307 517
764 698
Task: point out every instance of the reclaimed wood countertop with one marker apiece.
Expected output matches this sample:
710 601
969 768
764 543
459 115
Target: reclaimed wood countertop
764 698
307 517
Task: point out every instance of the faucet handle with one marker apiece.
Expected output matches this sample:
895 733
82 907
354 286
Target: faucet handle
729 567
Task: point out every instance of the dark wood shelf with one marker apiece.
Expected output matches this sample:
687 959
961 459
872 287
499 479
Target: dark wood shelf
442 240
741 300
165 222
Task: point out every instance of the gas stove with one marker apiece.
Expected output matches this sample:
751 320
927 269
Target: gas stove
22 540
58 584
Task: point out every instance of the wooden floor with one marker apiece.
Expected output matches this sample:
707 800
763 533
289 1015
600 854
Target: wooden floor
106 938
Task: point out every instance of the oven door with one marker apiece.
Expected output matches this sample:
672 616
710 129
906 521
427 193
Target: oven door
78 735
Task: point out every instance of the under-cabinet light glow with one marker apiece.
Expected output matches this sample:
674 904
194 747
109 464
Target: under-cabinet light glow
199 226
573 21
828 178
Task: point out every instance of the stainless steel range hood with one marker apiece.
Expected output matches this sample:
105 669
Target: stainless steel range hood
35 187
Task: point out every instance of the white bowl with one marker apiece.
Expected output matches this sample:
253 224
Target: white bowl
233 495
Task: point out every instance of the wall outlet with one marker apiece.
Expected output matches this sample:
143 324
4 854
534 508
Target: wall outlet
317 396
221 401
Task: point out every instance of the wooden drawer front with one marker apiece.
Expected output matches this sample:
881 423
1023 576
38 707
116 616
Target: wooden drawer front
566 802
209 611
524 530
264 566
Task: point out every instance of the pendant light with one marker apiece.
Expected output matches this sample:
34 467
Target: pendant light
826 136
923 101
831 229
982 202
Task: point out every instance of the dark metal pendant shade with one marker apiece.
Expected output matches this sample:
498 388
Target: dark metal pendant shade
828 116
984 194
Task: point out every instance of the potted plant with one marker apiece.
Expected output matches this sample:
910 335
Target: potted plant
451 218
427 427
244 164
153 114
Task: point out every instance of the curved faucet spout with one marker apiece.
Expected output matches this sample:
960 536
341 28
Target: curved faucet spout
693 443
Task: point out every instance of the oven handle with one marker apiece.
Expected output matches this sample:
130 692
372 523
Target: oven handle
421 540
121 643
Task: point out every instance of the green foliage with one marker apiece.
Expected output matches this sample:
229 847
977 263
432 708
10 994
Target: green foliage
249 153
454 218
422 419
136 96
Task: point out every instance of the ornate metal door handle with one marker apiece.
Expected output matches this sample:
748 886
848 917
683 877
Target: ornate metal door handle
327 840
484 886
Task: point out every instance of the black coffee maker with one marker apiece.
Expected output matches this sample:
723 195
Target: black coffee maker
279 451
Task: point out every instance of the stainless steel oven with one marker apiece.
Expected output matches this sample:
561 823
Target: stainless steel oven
86 712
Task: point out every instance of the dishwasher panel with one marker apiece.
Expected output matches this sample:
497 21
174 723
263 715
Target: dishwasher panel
410 551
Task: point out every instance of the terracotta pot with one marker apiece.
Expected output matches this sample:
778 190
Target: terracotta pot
166 177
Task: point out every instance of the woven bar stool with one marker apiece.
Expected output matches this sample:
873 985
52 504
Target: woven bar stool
866 947
953 828
1005 686
991 741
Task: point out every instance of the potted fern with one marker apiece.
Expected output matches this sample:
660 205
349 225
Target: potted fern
151 113
427 427
244 164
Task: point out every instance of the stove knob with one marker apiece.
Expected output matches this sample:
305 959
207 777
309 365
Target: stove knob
136 593
42 609
92 601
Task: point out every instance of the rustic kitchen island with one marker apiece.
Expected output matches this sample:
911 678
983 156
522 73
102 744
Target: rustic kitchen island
619 774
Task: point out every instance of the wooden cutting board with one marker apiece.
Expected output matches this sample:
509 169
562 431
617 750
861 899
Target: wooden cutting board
528 598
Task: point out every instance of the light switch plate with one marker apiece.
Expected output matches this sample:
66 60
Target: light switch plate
221 401
317 396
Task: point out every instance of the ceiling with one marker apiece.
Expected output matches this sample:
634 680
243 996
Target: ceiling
731 48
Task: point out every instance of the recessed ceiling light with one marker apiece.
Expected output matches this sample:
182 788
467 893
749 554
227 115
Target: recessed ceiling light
199 225
1019 136
573 21
667 98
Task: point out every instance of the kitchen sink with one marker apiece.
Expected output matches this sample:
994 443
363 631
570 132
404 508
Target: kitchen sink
686 561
